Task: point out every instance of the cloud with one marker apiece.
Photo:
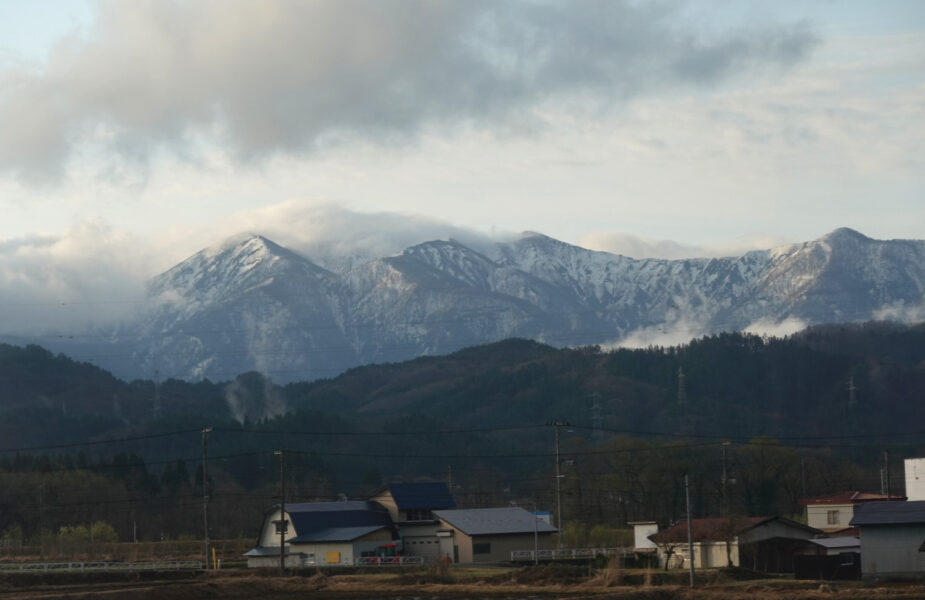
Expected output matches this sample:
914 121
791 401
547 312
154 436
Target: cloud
293 77
676 333
902 312
637 247
338 238
773 328
87 277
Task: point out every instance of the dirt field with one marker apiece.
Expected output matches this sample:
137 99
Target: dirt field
431 584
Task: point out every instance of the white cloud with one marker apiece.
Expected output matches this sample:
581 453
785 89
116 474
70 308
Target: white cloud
291 77
637 247
85 277
901 312
675 333
773 328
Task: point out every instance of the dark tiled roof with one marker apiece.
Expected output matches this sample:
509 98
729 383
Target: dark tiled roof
494 521
849 497
421 496
335 534
311 517
889 513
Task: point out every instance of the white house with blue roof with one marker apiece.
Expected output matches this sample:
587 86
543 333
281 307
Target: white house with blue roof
325 533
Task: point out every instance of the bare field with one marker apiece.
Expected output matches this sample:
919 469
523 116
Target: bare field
433 583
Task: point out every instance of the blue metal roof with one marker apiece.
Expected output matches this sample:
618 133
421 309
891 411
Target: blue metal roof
311 517
421 496
889 513
266 551
494 521
335 534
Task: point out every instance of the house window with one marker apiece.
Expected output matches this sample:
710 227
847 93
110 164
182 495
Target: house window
419 514
483 548
831 517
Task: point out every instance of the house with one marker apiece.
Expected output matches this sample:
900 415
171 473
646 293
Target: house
833 512
324 533
892 539
829 558
411 507
762 543
487 535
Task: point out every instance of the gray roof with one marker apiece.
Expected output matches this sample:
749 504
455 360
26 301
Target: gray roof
494 521
335 534
837 542
889 513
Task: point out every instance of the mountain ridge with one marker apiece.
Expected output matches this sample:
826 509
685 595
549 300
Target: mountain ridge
248 303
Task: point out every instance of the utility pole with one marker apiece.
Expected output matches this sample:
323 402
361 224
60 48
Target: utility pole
557 423
282 524
886 469
724 509
690 528
205 497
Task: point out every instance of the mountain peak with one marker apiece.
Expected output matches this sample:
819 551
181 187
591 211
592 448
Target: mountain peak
845 234
244 241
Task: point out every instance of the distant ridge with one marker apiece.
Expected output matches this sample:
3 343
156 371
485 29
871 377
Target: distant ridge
251 304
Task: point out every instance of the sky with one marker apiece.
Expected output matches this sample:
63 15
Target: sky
133 134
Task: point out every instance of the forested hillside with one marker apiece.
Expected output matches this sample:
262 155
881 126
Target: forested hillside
808 414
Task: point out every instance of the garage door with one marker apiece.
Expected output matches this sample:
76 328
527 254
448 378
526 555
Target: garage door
425 546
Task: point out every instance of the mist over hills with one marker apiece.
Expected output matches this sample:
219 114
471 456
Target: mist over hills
249 304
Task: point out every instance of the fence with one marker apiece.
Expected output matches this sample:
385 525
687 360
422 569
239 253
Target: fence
387 561
566 554
173 565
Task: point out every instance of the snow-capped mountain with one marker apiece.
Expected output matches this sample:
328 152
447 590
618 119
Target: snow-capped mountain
249 304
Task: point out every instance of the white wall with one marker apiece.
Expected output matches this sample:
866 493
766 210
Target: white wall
892 551
268 535
915 478
817 516
641 533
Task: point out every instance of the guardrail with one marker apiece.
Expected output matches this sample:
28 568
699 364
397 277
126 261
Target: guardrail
174 565
565 554
387 561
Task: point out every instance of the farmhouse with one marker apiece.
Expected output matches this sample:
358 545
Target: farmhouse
324 533
483 535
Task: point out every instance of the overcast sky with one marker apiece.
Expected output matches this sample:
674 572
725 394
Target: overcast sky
133 133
